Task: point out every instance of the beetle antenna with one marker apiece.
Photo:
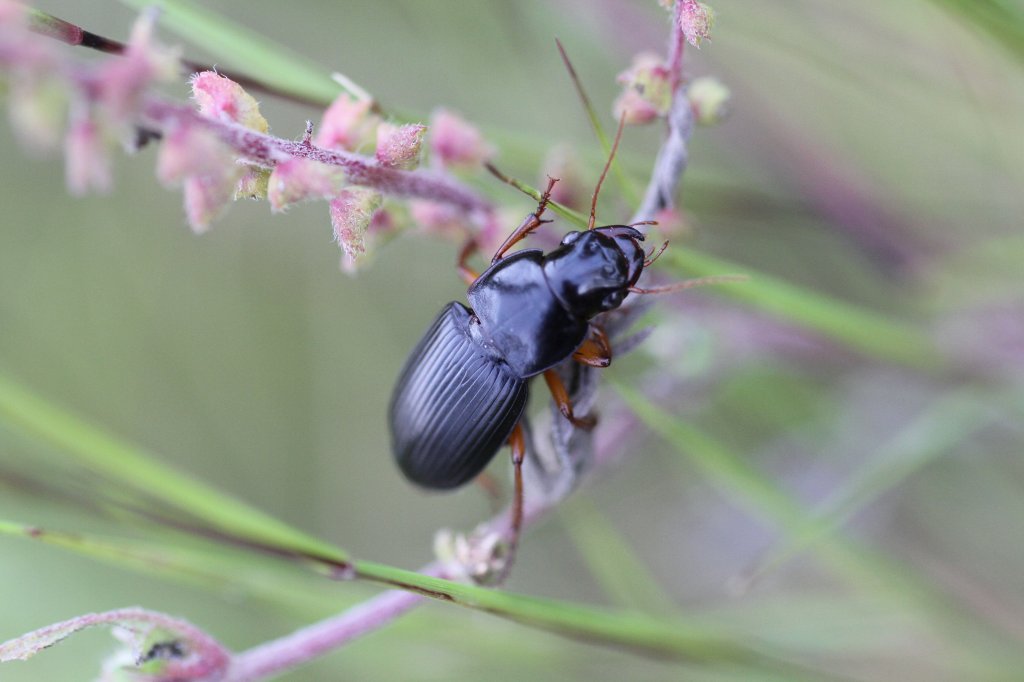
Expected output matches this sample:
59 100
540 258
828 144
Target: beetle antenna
691 284
644 222
651 257
607 165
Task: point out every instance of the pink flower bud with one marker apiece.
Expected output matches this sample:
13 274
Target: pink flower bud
636 110
382 224
399 146
123 79
454 142
223 99
709 99
87 157
38 107
254 184
347 124
295 180
192 150
648 90
206 198
695 21
206 168
352 210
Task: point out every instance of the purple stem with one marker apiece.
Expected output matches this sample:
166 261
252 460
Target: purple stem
676 46
54 27
268 150
303 645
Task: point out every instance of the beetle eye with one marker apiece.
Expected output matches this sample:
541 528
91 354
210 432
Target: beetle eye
608 270
569 238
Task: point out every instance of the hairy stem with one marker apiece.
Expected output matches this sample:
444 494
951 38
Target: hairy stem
267 150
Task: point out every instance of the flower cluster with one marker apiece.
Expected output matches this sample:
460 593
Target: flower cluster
221 149
651 81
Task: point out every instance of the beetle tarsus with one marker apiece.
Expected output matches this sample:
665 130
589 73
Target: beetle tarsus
529 224
517 443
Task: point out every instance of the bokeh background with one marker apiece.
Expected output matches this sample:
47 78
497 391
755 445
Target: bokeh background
875 154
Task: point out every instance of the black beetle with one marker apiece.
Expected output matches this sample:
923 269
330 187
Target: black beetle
463 389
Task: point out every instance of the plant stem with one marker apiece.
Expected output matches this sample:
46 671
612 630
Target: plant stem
54 27
268 150
303 645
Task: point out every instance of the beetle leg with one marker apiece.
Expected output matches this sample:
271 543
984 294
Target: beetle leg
531 223
517 442
561 396
468 274
596 350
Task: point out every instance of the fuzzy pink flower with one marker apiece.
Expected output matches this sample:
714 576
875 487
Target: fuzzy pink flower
206 198
709 99
695 21
37 86
205 167
38 108
87 157
352 210
347 124
295 180
647 94
123 79
399 146
191 150
222 99
634 109
254 184
454 142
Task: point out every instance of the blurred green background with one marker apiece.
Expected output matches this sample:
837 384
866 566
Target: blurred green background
875 154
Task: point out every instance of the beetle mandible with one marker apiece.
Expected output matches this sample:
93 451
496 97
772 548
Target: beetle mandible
464 387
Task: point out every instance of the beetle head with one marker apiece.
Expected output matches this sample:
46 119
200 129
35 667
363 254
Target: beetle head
591 271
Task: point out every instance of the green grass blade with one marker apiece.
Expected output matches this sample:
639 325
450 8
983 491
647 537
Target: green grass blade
980 647
138 469
942 426
860 329
629 188
691 641
219 569
744 485
855 327
1001 19
671 637
102 453
248 52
